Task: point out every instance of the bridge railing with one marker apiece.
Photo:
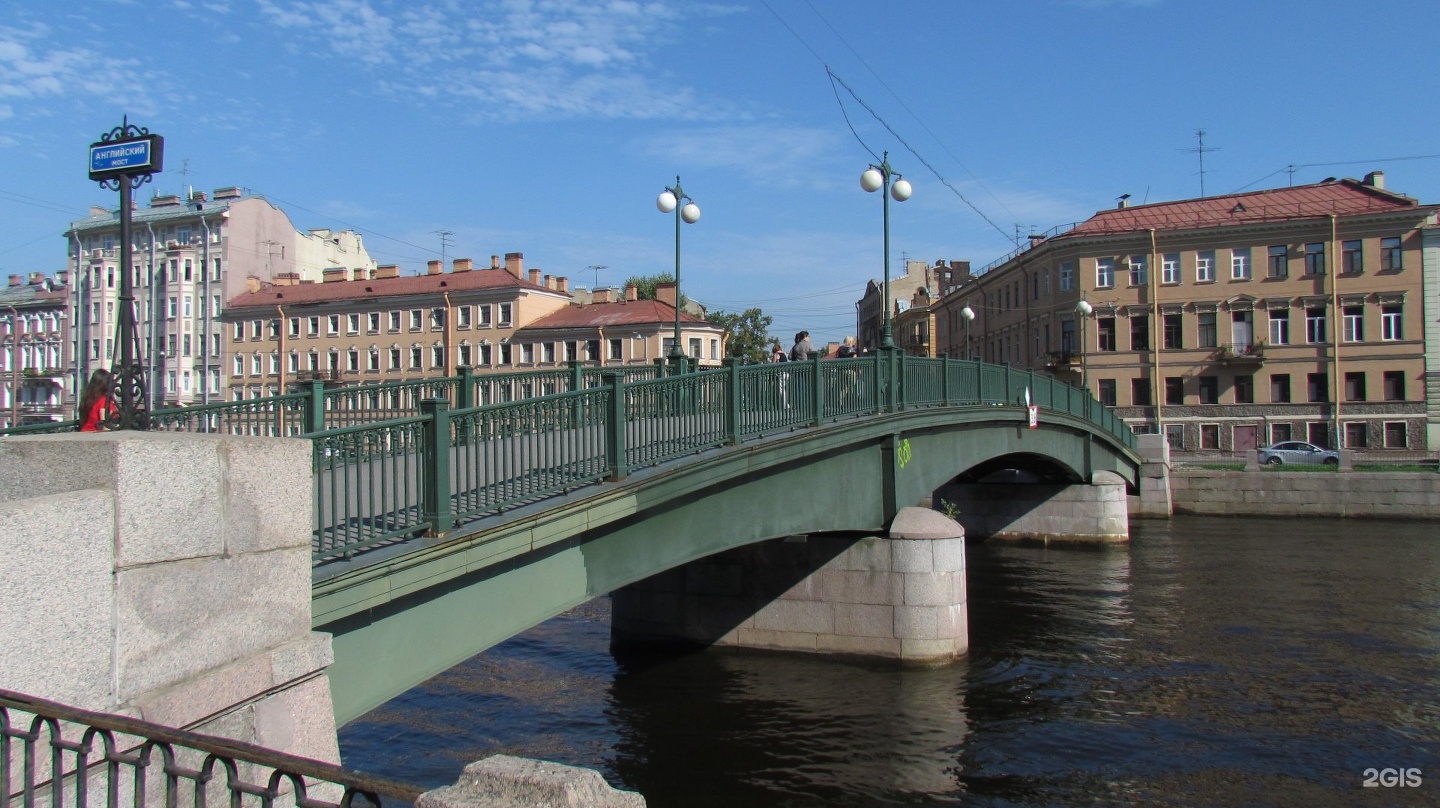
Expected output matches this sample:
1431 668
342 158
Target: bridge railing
387 481
61 756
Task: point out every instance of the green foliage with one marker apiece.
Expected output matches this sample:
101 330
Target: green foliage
645 285
949 508
748 341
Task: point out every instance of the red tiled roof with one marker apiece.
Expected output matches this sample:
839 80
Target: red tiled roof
271 295
606 315
1344 198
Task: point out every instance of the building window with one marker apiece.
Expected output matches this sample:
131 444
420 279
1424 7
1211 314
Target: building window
294 326
694 347
1140 392
1394 381
1209 389
484 356
1140 333
464 355
372 361
1391 259
1106 388
1105 333
1355 386
1067 275
292 363
1240 264
1279 259
1396 435
505 315
1391 328
1315 326
417 357
1104 273
332 361
1356 436
547 352
437 356
1315 258
437 319
313 327
1174 330
1209 436
312 362
1351 257
255 364
1280 388
417 319
1318 433
527 353
1139 270
1317 387
482 312
239 369
616 348
1279 433
1279 326
1205 266
1205 333
1242 329
353 324
394 358
332 325
1245 389
1174 390
1175 436
394 321
372 320
462 317
1354 322
1170 268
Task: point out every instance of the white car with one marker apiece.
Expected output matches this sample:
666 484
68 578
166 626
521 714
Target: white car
1298 451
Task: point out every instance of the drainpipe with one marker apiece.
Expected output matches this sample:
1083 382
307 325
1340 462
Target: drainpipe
79 316
1157 330
156 338
1339 325
449 336
280 350
205 321
14 367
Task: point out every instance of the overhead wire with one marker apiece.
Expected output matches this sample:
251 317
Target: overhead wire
1337 163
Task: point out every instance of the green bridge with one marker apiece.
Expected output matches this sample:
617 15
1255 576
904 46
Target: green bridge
439 534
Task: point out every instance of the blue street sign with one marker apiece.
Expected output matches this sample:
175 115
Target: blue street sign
140 155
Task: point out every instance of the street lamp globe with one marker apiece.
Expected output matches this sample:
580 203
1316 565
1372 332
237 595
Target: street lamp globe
967 313
901 190
690 213
871 180
1083 308
666 202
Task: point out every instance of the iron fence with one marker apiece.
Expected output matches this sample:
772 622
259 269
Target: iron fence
60 756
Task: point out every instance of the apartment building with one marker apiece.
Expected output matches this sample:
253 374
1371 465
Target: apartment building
35 357
1226 322
628 331
189 256
936 281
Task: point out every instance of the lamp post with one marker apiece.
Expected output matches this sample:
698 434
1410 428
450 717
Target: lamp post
874 179
1083 309
669 200
968 315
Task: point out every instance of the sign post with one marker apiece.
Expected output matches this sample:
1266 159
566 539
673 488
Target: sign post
124 159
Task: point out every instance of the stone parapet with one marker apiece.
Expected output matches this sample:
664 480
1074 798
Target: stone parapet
166 577
1392 495
901 597
1043 512
503 780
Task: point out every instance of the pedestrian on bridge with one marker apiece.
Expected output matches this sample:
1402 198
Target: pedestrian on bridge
96 405
803 348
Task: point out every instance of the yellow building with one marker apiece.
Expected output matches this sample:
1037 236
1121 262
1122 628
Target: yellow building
1226 322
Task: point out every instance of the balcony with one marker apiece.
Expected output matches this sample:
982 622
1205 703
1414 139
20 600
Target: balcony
1240 353
1060 361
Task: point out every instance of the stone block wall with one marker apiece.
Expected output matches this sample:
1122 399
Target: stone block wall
1394 495
901 597
165 577
1043 512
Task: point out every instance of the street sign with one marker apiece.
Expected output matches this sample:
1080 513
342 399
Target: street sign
143 154
1034 416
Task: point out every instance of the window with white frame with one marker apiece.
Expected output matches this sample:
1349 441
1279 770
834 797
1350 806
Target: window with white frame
274 364
394 358
1354 321
417 357
1104 273
617 349
394 321
1067 276
1205 266
437 356
417 319
312 327
239 366
505 315
547 352
294 326
1315 325
1240 264
312 360
255 363
1391 257
293 362
332 325
462 317
1139 270
187 305
1391 325
352 360
1279 326
373 360
1170 268
372 319
482 314
527 353
352 323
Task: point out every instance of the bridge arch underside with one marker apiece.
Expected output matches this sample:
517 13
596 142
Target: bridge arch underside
398 622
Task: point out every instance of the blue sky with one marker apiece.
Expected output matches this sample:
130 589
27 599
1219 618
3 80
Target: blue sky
549 126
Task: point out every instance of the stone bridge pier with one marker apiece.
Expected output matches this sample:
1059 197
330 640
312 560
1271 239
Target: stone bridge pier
901 596
1041 512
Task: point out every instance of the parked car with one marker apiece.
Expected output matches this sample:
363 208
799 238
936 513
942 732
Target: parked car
1297 451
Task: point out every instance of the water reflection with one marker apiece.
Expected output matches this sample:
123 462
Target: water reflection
1212 662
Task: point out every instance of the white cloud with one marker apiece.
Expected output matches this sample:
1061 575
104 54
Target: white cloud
33 70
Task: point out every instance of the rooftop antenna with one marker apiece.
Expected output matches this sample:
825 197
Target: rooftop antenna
1200 150
444 242
185 178
597 268
1290 169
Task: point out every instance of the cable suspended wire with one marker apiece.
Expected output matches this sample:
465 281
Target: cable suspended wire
354 227
906 107
835 78
1339 163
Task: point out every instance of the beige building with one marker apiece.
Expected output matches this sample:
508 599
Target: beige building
935 281
384 327
1226 322
35 355
189 256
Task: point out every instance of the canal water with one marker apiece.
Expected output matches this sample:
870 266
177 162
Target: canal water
1227 662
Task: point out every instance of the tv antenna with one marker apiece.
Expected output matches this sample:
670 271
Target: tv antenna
444 243
597 268
1200 150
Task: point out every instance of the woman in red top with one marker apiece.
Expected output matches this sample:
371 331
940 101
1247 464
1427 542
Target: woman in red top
96 403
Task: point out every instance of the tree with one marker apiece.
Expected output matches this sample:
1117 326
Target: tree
748 341
645 285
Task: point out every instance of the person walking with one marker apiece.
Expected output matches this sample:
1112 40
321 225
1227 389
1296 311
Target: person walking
777 354
96 405
802 349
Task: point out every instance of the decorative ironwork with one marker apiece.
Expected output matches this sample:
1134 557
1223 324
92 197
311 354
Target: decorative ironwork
61 756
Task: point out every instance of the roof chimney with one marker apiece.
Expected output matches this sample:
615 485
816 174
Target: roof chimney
286 279
515 264
494 262
562 285
600 295
252 284
665 293
1122 202
550 282
535 276
1376 179
434 267
632 294
461 265
37 278
387 271
17 280
334 274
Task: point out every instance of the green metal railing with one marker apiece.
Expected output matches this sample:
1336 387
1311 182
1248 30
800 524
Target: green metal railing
426 473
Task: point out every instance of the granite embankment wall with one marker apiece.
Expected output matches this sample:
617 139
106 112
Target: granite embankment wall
1391 495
